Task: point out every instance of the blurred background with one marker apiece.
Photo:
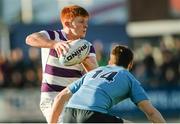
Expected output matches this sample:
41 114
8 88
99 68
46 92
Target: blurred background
151 28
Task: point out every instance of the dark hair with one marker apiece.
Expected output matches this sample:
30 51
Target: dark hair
123 55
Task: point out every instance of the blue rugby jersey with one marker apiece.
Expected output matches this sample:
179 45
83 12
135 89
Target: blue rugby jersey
104 87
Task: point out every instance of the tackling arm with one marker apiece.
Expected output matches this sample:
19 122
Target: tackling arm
90 63
151 112
58 105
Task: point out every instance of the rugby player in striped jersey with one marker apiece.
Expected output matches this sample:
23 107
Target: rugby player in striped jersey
56 77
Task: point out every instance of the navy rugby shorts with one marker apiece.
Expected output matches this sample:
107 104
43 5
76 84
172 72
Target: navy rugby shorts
73 115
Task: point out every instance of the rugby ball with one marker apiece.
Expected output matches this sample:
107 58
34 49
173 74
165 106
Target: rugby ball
78 51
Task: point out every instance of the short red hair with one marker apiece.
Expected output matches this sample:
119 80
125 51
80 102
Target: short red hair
70 12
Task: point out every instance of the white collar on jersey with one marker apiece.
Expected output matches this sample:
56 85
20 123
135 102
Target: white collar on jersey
113 65
64 34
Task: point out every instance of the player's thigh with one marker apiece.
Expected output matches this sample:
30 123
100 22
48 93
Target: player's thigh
45 106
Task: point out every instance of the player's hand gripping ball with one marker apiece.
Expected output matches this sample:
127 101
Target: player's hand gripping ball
78 51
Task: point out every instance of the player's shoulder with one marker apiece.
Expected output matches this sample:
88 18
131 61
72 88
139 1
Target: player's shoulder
48 33
53 34
132 78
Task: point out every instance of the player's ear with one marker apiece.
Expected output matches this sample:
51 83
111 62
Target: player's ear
109 62
67 24
130 65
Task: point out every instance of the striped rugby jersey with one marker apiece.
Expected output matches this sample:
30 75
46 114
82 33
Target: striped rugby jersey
56 76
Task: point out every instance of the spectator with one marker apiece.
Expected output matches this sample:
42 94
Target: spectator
169 74
17 68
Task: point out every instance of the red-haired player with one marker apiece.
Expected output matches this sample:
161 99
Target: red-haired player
52 43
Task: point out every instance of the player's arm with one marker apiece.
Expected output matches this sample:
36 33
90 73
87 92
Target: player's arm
42 41
151 112
63 97
58 104
140 98
39 40
90 63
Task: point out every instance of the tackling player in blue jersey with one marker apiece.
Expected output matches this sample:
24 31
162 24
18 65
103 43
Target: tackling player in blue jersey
97 91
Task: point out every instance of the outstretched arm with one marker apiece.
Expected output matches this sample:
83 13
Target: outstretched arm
58 105
151 112
41 40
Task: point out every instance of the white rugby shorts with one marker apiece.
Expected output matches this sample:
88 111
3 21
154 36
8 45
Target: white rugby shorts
46 103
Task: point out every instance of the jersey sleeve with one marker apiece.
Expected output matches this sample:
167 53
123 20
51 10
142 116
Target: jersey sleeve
92 51
76 85
137 93
48 33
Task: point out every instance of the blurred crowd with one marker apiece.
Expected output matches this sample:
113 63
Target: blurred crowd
159 66
154 66
15 72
